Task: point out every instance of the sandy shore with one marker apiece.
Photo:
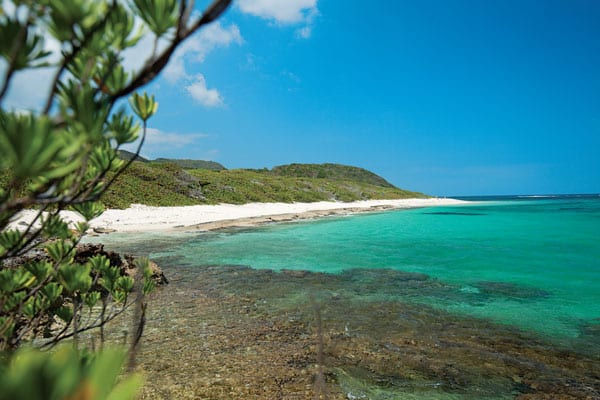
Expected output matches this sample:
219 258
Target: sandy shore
141 218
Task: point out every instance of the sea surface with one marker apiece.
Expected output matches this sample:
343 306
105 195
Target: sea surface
530 263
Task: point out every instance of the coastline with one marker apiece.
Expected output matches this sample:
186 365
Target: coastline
142 218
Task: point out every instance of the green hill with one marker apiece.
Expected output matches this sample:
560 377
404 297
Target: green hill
153 184
128 155
168 184
331 171
193 164
183 163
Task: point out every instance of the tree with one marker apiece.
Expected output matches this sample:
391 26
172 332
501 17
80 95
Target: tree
64 156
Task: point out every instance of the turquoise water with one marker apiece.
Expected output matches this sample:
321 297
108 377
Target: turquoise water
529 262
498 299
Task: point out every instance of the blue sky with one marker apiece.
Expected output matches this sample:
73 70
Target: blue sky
445 97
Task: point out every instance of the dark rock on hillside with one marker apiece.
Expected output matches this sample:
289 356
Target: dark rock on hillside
127 155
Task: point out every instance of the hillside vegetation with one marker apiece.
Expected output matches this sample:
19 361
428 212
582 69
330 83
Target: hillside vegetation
331 171
193 164
168 184
183 163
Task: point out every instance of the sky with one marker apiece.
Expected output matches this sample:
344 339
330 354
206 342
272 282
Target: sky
446 97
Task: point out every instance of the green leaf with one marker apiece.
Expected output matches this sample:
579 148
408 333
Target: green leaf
91 299
120 27
71 20
7 326
102 156
116 80
65 313
144 264
52 290
105 370
122 127
125 283
28 144
119 296
13 301
34 306
75 277
89 209
82 227
10 239
31 49
87 112
127 389
159 15
99 263
109 278
6 282
60 251
40 269
62 168
143 106
148 286
67 374
55 227
12 280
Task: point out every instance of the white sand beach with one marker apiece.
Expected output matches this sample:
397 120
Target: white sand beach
142 218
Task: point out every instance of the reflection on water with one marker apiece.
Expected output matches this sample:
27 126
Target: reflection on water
239 333
491 308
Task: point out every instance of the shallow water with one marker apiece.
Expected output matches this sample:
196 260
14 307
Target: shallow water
419 294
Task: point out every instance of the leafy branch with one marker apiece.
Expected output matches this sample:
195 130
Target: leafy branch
65 156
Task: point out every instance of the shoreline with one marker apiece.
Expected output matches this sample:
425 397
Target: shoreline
142 218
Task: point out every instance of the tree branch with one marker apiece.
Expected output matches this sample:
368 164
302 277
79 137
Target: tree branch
17 46
68 58
150 71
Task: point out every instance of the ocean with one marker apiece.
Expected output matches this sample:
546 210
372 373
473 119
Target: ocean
529 264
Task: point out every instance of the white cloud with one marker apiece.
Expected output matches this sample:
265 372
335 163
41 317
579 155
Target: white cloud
157 141
157 137
284 12
135 57
304 32
205 96
29 88
196 48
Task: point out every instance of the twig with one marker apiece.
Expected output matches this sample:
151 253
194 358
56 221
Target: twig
320 385
19 42
139 317
149 72
68 58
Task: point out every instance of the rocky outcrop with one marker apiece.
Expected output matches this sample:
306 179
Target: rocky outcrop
83 252
126 263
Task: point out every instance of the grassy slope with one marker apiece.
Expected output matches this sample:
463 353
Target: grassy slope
193 164
331 171
154 185
169 184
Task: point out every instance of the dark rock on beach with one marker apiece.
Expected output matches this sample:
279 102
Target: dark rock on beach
127 263
83 252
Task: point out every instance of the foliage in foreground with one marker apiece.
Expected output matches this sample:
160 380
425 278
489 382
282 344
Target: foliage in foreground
64 156
66 374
